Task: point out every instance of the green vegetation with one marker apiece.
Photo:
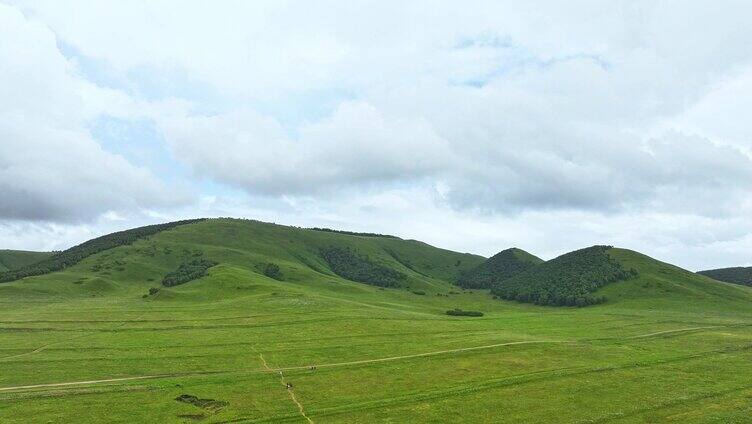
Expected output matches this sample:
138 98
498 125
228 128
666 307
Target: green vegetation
272 270
75 254
188 271
349 264
501 266
735 275
668 346
569 280
460 313
14 259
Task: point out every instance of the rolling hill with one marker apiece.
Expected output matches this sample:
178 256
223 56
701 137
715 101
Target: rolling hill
15 259
226 320
501 266
736 275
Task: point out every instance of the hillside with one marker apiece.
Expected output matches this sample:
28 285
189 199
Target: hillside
735 275
568 280
497 268
15 259
296 254
72 256
226 320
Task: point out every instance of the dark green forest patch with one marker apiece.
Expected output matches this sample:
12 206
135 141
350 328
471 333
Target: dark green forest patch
351 265
569 280
735 275
188 271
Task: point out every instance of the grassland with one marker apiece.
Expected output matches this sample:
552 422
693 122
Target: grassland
83 345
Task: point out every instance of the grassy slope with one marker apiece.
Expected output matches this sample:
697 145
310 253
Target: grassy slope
668 345
14 259
662 285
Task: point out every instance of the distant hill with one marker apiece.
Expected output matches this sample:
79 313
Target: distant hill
568 280
60 260
501 266
216 259
15 259
736 275
297 254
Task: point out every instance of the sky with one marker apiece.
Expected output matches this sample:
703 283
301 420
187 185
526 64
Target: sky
473 126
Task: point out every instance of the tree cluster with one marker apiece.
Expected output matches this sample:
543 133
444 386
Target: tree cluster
349 264
76 254
272 270
188 271
353 233
569 280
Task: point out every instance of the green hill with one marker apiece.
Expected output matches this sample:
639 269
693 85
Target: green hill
497 268
15 259
297 254
72 256
568 280
226 320
736 275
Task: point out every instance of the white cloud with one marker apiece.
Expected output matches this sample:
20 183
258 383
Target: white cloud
50 167
356 145
627 115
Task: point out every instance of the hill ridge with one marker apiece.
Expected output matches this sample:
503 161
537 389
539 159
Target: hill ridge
741 275
497 268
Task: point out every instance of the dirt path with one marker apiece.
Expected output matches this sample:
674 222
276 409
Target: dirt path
681 330
289 388
85 383
419 355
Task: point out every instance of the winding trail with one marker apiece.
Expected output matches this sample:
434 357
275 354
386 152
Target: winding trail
681 330
289 388
86 383
419 355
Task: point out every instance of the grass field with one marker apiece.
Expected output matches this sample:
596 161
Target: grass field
83 345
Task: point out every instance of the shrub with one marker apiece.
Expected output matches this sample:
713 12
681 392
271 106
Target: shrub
461 313
419 292
272 270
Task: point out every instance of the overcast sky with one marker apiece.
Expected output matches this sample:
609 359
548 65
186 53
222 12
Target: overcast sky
473 126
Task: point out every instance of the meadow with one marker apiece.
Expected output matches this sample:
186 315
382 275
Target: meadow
90 344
